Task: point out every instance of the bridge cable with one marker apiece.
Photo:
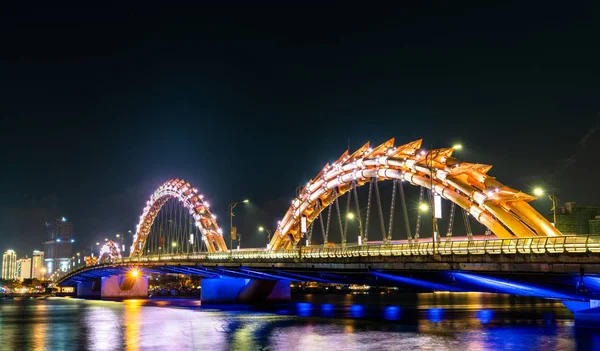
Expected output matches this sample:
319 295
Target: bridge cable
175 225
450 222
161 228
164 231
345 232
405 213
169 223
435 234
337 205
368 215
171 220
418 226
323 232
178 227
381 222
358 216
467 224
389 237
309 234
328 225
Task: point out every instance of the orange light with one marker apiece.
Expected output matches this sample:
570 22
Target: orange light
134 273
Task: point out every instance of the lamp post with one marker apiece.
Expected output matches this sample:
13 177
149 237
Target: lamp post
92 249
231 214
121 237
263 229
350 217
540 192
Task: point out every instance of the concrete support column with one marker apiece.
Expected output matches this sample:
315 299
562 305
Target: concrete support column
587 314
119 286
90 288
242 290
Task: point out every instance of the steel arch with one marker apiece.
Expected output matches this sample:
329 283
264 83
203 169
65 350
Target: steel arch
500 208
193 202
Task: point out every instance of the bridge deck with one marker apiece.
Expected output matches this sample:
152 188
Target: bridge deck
558 255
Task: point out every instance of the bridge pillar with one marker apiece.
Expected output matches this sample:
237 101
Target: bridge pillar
117 286
90 288
242 290
587 314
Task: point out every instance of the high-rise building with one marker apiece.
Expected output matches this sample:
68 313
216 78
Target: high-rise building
24 268
38 271
59 245
576 220
9 265
595 225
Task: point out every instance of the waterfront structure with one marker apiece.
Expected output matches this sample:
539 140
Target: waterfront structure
38 268
58 245
24 268
9 265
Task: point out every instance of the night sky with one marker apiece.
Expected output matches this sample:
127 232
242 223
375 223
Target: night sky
99 106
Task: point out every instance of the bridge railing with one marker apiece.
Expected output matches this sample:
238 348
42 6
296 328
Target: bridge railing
538 245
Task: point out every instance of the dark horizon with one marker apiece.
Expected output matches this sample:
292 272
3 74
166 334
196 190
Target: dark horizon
99 107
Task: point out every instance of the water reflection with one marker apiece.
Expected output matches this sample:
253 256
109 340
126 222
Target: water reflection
315 322
39 328
131 320
484 316
391 313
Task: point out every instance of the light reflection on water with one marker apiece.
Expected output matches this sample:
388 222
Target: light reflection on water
312 322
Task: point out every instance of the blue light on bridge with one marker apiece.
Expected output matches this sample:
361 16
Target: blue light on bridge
417 282
303 308
357 311
485 316
503 286
258 274
391 313
592 283
435 314
302 278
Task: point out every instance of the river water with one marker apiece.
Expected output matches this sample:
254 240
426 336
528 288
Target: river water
437 321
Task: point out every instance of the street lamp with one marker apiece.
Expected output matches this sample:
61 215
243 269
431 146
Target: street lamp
540 192
350 216
231 214
121 237
262 229
423 207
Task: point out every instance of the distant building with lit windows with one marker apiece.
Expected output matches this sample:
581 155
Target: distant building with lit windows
9 265
38 269
24 268
577 220
59 245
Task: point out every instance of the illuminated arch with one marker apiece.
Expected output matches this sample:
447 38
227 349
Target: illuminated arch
501 209
198 208
109 252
